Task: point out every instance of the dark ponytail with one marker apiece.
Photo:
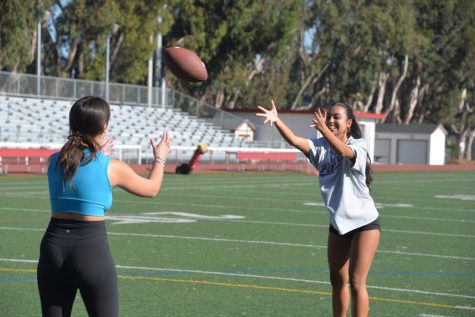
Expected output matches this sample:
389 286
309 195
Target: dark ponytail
355 132
88 118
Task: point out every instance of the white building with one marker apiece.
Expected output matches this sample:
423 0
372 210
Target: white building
245 130
410 144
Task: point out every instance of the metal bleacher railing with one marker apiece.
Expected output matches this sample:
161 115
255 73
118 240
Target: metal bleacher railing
70 89
25 85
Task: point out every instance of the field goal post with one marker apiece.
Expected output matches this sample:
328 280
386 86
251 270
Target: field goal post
131 154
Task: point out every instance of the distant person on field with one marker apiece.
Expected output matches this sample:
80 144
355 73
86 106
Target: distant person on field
74 252
341 157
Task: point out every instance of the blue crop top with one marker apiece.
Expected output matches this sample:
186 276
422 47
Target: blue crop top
91 193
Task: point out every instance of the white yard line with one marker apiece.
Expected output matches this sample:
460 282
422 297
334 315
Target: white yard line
264 209
274 243
439 234
187 271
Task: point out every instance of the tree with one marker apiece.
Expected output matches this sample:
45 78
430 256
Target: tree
81 30
446 64
243 51
365 45
18 33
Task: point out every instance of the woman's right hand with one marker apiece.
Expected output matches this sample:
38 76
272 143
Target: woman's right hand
106 146
163 148
270 115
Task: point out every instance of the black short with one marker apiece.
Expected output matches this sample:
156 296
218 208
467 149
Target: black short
370 226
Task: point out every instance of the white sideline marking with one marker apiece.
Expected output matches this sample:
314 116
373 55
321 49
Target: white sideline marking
420 292
218 240
456 196
310 204
295 200
173 204
378 205
313 203
253 242
18 260
224 218
283 223
399 205
148 217
273 209
158 216
430 219
140 219
143 268
465 307
24 209
431 233
280 244
31 194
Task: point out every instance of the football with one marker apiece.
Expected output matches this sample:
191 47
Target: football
185 64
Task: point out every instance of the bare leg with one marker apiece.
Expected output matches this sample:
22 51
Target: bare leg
338 261
363 248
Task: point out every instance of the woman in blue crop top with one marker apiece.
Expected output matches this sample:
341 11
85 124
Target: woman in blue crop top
74 252
340 156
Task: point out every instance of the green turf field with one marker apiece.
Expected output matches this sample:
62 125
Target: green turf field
255 245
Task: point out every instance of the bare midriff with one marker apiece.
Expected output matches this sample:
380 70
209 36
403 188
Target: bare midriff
75 216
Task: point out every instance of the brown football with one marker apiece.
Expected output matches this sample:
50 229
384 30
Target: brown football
185 64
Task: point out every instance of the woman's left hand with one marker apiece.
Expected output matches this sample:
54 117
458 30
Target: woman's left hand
163 148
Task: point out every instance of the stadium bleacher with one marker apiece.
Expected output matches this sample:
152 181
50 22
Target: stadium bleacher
25 120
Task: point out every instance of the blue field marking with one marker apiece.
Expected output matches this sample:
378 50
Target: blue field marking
371 272
425 273
293 271
274 271
181 272
172 275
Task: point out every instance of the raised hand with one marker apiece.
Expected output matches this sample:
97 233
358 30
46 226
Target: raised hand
163 148
270 115
106 146
319 120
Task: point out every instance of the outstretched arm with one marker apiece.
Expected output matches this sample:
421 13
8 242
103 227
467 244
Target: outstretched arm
271 116
121 174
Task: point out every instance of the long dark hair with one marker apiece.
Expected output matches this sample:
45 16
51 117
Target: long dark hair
355 132
88 118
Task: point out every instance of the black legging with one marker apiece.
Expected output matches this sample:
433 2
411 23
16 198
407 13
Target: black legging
75 255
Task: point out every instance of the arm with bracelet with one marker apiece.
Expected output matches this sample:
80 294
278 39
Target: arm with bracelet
122 174
160 160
